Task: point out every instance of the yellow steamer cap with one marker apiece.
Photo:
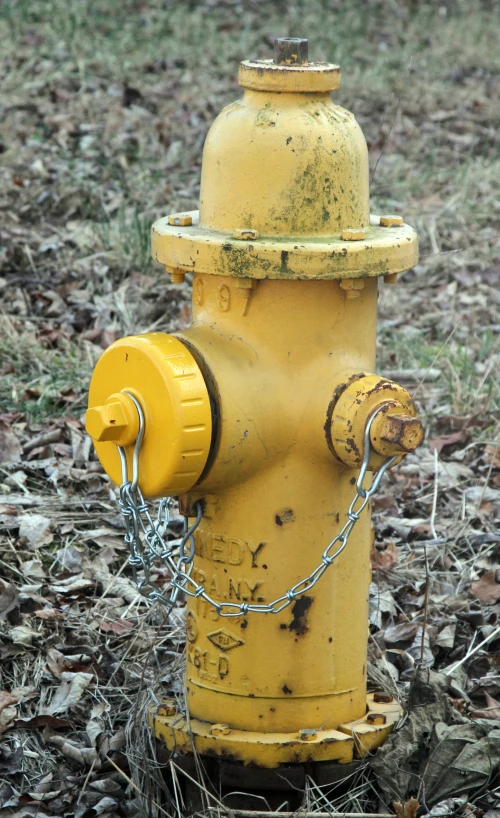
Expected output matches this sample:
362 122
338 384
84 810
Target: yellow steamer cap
161 374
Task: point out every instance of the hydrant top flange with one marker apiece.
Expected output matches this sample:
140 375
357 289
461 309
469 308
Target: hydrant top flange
197 249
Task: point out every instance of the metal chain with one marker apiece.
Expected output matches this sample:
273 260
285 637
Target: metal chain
148 541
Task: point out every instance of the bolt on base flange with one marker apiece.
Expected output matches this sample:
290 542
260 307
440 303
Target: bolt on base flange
349 741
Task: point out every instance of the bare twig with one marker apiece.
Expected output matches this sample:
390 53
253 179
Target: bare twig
470 653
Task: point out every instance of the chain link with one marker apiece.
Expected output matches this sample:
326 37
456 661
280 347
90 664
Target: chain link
148 542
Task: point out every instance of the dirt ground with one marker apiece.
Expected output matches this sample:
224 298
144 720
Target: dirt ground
104 108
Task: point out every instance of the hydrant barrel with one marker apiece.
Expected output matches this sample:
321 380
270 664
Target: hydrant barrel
261 414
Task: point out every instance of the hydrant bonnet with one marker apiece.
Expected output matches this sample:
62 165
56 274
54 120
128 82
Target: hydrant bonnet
285 160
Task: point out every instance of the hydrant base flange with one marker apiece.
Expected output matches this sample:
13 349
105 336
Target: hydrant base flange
349 741
193 248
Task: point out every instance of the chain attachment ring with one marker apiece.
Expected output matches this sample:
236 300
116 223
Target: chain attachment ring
148 541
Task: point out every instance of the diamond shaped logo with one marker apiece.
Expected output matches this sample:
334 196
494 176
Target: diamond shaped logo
225 640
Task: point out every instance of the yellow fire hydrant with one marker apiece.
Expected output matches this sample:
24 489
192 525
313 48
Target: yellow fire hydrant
260 417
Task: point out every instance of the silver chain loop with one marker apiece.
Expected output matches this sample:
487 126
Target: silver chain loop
148 541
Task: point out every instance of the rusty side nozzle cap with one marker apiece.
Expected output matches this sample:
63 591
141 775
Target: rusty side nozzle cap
290 70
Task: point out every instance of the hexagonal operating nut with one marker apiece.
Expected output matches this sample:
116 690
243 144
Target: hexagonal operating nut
291 51
396 432
115 421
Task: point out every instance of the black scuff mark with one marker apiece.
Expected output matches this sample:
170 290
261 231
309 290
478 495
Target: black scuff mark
285 516
299 612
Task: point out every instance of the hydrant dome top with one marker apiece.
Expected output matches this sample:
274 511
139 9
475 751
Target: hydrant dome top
284 189
285 160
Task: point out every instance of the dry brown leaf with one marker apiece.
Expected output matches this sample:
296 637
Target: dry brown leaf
493 455
121 586
10 447
36 529
7 717
407 810
8 599
442 442
69 692
486 589
81 755
23 635
492 711
402 632
6 699
49 614
384 560
42 721
72 584
116 626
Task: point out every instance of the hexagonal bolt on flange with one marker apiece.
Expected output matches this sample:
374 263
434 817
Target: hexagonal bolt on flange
291 51
177 276
391 221
245 234
180 220
353 234
352 287
376 718
382 698
391 278
308 735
